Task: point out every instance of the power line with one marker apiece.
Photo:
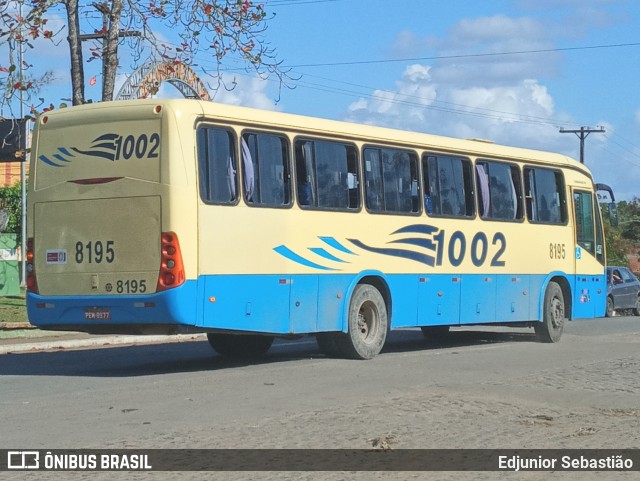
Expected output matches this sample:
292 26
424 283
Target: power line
468 55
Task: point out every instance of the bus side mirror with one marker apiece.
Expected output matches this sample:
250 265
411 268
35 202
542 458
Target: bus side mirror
613 214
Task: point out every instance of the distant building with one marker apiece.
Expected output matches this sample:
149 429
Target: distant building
633 257
10 173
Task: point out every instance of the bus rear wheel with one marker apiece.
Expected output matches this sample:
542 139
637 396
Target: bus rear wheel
240 345
367 324
553 316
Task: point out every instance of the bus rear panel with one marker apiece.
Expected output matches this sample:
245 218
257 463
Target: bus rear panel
101 253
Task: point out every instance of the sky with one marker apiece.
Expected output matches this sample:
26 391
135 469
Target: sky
511 71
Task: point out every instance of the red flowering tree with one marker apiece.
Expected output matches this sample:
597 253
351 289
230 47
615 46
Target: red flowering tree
222 29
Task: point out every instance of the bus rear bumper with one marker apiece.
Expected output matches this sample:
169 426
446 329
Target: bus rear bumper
167 312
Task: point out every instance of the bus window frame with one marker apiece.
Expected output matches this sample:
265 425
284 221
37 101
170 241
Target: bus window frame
296 189
522 197
235 142
408 150
565 191
290 164
425 157
594 224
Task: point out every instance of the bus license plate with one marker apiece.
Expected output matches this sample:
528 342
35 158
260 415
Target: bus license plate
97 314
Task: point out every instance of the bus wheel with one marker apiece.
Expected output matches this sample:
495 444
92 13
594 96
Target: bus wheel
550 329
435 333
368 324
610 310
240 345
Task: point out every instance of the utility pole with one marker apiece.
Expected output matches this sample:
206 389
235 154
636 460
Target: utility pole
103 8
582 134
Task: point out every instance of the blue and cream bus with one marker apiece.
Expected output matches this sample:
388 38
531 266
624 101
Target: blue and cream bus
181 216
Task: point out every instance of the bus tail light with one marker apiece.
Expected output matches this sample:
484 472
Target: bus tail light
171 266
31 281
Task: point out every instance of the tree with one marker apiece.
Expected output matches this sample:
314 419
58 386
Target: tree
11 201
222 28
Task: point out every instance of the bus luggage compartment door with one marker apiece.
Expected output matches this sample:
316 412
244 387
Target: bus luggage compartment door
98 246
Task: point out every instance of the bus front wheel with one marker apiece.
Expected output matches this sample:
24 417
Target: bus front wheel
240 345
368 324
554 317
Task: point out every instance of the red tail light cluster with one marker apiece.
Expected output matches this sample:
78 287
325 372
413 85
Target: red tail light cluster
32 283
171 266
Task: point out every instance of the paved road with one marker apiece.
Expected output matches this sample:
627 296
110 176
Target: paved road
483 388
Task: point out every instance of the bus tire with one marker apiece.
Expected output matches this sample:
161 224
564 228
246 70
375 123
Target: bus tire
240 345
435 333
553 316
367 324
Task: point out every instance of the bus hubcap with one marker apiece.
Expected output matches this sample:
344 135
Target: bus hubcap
366 321
557 313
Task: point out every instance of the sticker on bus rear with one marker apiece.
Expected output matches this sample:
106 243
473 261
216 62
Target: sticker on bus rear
58 256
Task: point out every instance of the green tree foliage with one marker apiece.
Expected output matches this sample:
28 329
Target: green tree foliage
10 199
629 215
625 238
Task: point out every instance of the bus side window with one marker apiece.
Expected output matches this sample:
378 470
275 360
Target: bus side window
449 186
585 229
499 191
217 166
327 175
545 195
391 181
265 161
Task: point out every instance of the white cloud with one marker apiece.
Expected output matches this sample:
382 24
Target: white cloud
498 97
514 114
242 90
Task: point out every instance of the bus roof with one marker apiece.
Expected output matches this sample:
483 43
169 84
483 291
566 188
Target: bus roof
345 130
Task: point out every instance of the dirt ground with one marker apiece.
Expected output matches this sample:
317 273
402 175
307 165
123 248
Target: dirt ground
493 391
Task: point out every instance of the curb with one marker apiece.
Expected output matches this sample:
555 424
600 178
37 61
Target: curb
95 342
10 326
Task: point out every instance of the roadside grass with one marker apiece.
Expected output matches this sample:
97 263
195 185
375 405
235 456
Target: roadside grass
13 310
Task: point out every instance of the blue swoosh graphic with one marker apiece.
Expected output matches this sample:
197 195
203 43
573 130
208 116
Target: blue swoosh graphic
289 254
108 145
417 229
323 253
60 158
414 256
416 241
48 162
106 137
65 152
336 245
96 153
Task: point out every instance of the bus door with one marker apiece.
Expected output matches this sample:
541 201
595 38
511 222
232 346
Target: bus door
589 294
